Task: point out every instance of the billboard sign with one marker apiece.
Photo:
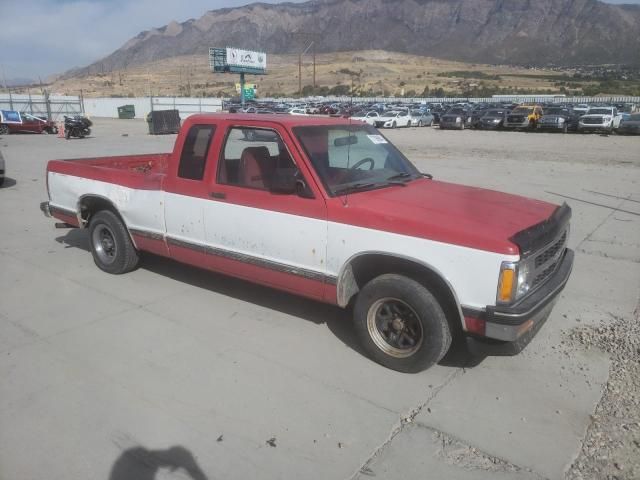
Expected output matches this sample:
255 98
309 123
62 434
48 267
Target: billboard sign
246 58
235 60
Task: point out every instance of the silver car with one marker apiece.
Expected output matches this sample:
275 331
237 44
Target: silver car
420 119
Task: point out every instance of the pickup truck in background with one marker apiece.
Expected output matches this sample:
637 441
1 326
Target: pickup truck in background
523 117
329 209
603 119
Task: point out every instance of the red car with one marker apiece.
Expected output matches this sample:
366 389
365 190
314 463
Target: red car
30 124
328 209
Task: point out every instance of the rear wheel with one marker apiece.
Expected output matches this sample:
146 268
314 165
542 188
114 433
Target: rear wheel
111 246
4 130
401 324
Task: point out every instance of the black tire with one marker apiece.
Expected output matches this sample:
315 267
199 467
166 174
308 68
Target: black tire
419 123
431 123
423 327
67 133
394 124
565 128
4 130
1 181
111 246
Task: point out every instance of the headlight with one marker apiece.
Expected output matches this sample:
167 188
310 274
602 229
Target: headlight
560 120
514 281
496 120
458 119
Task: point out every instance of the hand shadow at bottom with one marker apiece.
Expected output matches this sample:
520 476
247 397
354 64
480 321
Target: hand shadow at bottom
138 463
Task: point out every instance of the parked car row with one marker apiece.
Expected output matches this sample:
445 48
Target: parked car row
553 117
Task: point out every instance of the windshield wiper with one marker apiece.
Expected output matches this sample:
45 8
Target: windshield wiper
398 176
353 188
409 175
363 186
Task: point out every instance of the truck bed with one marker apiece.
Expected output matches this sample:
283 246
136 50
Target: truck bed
135 171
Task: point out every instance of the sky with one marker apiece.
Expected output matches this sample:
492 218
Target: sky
44 37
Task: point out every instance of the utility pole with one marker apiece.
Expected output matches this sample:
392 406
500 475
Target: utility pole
312 38
300 74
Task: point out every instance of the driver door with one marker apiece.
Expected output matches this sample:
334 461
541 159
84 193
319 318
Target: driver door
276 239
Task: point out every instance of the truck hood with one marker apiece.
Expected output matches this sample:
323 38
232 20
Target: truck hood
449 213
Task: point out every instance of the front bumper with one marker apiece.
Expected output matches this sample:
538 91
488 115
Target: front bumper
551 126
450 124
525 124
594 126
520 322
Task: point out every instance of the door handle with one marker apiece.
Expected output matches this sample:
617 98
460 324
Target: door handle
219 195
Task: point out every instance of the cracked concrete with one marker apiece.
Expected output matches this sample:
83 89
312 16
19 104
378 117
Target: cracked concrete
93 364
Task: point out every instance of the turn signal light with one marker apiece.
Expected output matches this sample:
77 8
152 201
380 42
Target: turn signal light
505 286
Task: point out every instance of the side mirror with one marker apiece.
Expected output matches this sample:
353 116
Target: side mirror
289 181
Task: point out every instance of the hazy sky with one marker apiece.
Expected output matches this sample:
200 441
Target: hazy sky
42 37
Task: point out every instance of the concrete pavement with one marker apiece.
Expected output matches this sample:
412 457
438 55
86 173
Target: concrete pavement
255 383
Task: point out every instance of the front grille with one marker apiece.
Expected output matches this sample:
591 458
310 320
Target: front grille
551 252
545 262
543 275
593 121
515 119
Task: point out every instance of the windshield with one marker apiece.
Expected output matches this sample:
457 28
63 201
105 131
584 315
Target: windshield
523 110
355 156
599 111
555 111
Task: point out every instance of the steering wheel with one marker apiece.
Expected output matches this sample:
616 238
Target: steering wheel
368 160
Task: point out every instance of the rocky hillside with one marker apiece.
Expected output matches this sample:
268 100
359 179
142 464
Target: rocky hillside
536 32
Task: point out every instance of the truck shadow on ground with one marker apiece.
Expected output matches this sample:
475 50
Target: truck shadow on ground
8 182
337 320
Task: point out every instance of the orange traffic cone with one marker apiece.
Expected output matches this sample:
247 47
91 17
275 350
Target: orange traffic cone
60 129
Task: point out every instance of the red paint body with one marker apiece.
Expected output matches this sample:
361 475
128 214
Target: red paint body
444 212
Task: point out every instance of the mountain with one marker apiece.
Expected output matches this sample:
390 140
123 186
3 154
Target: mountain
534 32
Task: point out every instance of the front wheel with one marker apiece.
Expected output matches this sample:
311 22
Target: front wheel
67 133
400 324
394 125
111 246
4 130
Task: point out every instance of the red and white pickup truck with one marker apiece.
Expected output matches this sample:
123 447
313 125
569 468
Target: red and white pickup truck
329 209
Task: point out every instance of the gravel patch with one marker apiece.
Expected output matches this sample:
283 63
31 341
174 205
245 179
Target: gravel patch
611 448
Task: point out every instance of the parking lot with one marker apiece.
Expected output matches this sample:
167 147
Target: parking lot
102 374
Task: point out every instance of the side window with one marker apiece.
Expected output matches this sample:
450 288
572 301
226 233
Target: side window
251 156
194 152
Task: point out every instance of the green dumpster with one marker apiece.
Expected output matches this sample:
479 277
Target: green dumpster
127 112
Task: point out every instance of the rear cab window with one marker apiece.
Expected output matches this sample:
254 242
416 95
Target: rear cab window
195 150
